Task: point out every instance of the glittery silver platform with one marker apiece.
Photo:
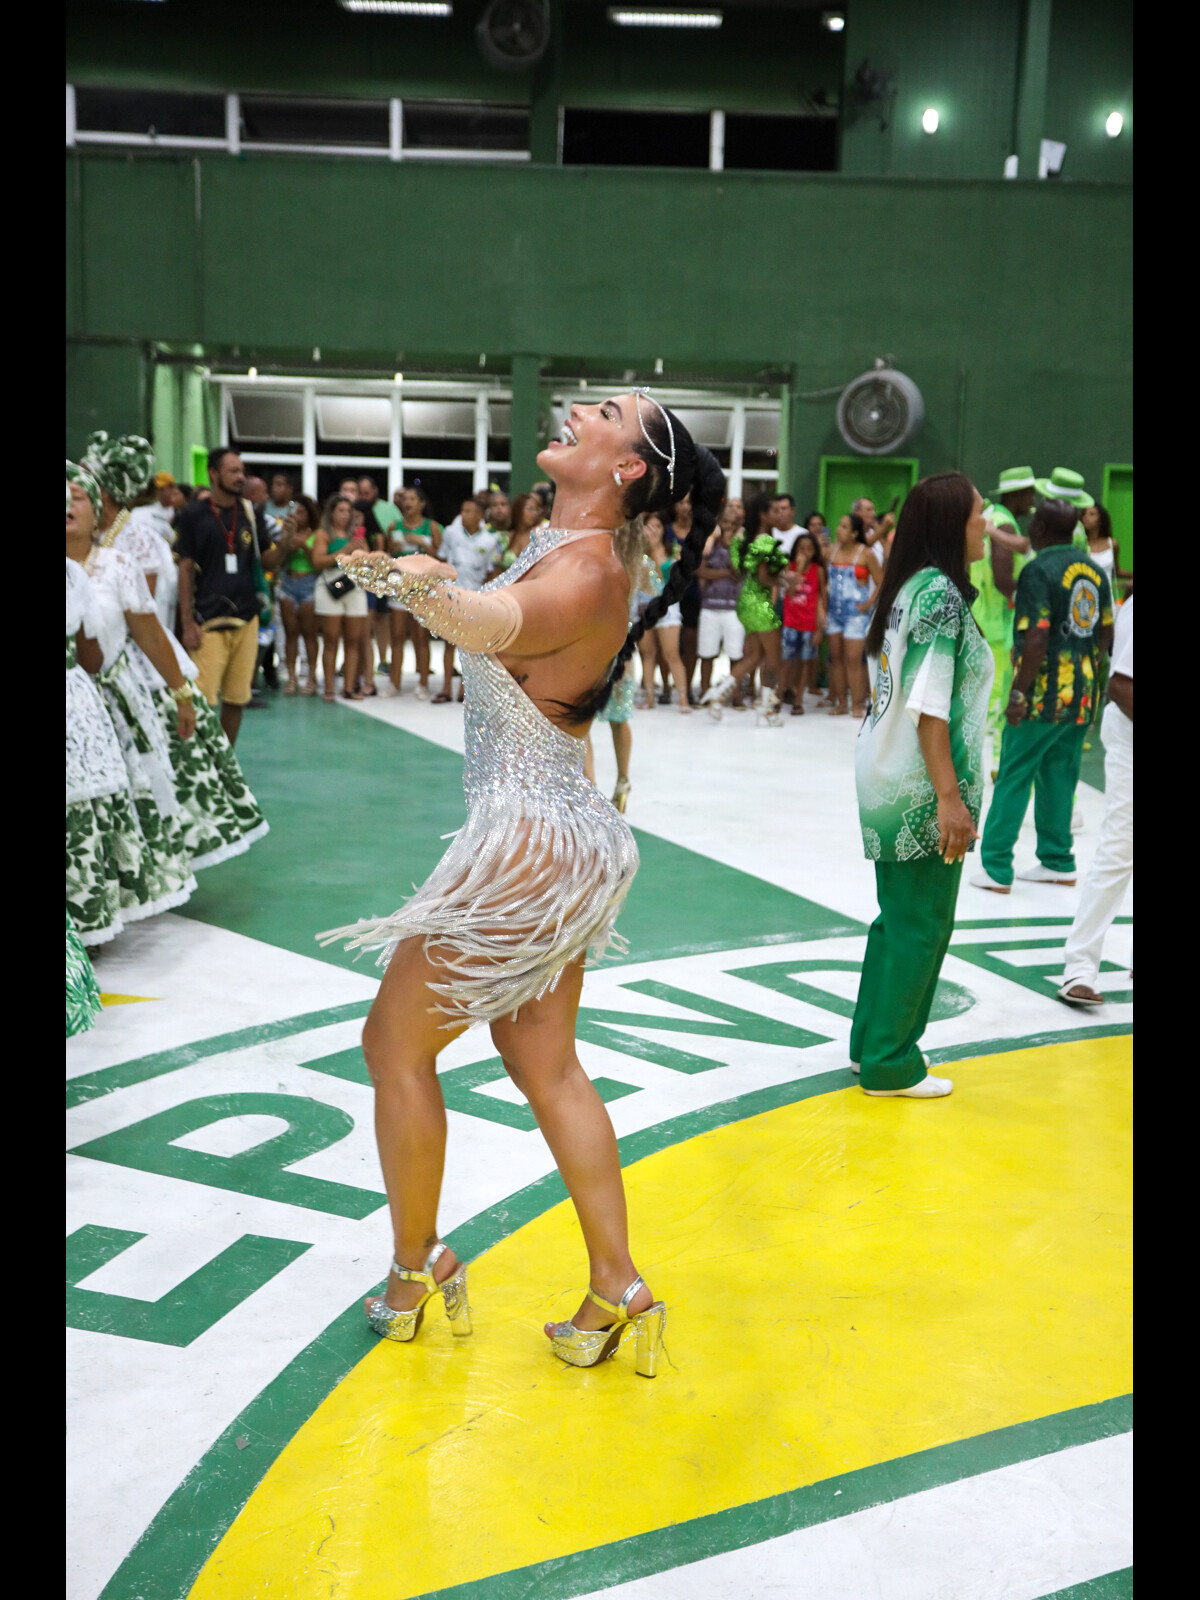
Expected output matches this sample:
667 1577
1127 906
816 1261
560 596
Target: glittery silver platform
537 874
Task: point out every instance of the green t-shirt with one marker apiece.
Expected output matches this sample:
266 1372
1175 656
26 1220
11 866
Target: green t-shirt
934 661
1069 596
992 610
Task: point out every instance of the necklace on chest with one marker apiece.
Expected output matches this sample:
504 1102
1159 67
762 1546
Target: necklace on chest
109 537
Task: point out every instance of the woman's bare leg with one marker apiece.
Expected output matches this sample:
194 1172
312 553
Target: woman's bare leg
771 643
420 643
331 633
689 644
291 636
837 675
668 644
649 654
397 630
749 662
401 1041
856 670
622 747
706 669
357 635
538 1051
788 674
308 632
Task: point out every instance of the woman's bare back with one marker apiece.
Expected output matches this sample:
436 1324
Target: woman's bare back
575 602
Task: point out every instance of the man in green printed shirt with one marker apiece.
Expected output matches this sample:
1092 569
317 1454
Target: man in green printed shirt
1006 550
1063 625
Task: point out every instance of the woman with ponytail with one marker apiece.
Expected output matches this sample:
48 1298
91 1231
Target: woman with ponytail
536 876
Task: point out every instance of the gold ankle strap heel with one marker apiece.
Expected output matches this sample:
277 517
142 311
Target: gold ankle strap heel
403 1325
587 1347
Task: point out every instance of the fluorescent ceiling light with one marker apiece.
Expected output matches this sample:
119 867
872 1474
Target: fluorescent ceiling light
663 19
1113 124
833 20
402 8
930 120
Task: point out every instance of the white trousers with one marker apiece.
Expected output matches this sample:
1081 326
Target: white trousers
1112 865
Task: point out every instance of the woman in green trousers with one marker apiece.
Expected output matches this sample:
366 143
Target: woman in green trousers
919 773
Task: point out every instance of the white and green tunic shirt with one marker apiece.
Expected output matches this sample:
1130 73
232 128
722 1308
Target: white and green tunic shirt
934 661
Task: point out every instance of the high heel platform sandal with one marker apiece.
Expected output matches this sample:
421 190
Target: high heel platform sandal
402 1325
621 794
587 1347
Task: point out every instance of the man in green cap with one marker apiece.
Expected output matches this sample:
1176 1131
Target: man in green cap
1063 484
1063 625
1005 552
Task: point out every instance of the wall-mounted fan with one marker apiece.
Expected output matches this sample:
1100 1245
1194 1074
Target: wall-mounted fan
879 411
513 34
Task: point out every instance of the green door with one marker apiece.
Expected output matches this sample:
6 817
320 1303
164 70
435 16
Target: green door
1118 498
845 479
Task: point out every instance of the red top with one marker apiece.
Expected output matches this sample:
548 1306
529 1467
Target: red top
800 607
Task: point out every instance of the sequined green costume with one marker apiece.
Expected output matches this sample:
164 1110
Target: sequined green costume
754 609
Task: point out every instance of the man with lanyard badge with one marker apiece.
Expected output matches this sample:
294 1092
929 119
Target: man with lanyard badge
223 544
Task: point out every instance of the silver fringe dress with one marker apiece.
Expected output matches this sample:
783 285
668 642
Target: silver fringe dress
536 876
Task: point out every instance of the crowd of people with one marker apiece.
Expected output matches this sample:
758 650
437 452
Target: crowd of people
188 606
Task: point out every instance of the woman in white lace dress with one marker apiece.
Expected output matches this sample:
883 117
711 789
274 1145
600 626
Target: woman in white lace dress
499 932
109 871
121 612
218 815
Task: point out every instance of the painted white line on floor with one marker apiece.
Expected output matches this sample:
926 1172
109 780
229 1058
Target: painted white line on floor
1015 1534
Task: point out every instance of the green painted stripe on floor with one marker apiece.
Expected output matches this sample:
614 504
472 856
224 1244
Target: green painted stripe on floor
666 1549
91 1085
1112 1586
1029 1041
169 1555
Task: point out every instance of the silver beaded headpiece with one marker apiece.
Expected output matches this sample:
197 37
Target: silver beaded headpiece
669 459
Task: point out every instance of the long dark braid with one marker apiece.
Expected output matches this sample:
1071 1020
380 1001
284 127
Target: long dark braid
698 472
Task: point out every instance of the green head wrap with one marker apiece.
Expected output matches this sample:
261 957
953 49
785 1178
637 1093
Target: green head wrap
83 477
121 465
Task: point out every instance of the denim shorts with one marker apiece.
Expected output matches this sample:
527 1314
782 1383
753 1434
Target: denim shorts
377 602
298 587
798 646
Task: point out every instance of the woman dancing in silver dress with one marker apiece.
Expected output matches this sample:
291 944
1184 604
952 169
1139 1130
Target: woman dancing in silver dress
535 879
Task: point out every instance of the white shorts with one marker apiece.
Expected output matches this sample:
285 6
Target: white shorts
353 604
720 632
672 617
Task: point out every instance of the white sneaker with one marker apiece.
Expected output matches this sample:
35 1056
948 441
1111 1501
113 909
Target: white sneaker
388 690
1040 874
422 691
981 880
929 1088
856 1066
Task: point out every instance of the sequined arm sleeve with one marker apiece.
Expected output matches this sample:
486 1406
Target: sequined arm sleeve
483 623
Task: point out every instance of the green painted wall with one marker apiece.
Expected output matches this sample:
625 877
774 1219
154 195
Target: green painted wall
962 60
1008 303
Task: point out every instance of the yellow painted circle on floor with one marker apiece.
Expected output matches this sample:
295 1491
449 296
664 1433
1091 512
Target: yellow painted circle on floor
848 1281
